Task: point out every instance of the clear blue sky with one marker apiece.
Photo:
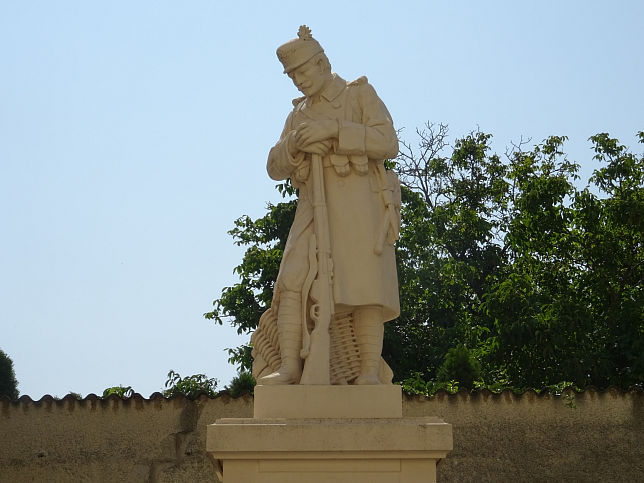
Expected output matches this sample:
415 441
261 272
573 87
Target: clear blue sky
133 134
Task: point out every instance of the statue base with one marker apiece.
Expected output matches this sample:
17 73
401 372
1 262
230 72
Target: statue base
302 402
323 447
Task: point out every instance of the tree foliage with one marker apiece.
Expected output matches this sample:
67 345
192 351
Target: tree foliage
120 391
8 382
461 366
243 303
189 386
509 273
242 383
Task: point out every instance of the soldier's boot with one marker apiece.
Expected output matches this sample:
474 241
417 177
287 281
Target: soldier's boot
369 330
289 331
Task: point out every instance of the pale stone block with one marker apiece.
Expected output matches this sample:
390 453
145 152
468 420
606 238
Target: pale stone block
301 402
322 450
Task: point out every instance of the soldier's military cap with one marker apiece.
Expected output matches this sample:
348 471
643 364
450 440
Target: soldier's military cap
296 52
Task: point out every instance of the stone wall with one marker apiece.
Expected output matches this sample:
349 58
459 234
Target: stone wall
113 439
578 437
587 436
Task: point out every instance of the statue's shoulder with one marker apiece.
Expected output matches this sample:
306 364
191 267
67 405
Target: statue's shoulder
360 81
361 88
298 100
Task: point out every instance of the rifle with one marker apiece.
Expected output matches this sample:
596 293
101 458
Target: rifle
316 349
391 222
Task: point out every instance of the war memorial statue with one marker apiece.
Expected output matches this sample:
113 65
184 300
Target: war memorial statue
337 282
324 408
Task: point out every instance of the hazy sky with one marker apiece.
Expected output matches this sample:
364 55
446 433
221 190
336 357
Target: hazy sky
133 134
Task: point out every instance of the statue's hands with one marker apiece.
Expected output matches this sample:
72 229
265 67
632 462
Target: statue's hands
315 147
318 147
314 137
311 132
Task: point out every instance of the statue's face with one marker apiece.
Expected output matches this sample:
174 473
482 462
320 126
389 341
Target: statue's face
310 78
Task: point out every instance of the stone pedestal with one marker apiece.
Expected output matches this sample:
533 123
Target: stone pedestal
302 402
349 434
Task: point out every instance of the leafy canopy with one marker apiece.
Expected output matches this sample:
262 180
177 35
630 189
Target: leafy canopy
509 273
8 382
189 386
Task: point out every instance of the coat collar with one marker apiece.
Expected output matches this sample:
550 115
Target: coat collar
330 92
335 88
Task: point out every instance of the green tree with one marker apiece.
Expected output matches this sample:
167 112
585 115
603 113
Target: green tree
120 391
242 383
8 382
531 301
454 207
527 258
189 386
568 306
461 366
541 281
243 304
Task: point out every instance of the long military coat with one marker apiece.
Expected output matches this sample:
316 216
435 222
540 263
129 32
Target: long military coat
354 187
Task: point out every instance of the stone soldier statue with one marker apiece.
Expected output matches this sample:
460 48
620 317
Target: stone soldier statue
348 128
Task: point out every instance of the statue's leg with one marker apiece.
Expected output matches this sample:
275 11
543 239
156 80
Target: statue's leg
369 330
293 270
289 331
